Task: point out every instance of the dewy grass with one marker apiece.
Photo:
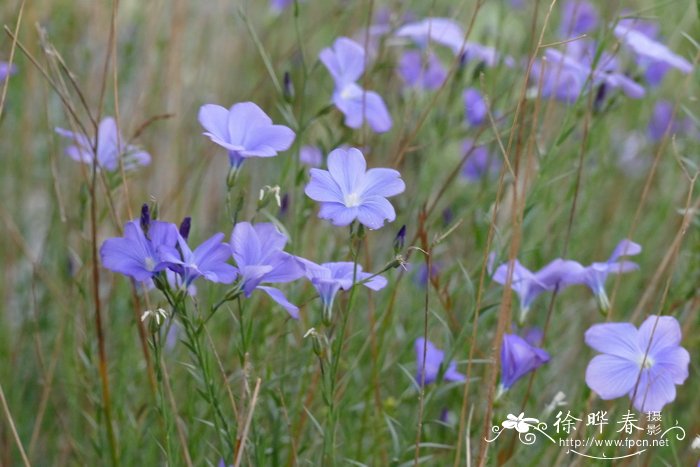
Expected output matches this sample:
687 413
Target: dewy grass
439 223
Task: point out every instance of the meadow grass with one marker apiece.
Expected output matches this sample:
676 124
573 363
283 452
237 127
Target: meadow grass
258 388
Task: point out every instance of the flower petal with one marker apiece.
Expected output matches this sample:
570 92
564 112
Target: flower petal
347 167
338 213
666 333
611 376
383 182
322 187
281 299
374 211
617 339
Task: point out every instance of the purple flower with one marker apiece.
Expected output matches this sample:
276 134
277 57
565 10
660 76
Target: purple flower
347 191
208 260
518 358
650 50
447 32
567 75
311 156
644 363
443 31
280 5
578 17
661 121
474 106
7 70
257 250
245 131
423 277
420 71
136 255
480 163
528 285
595 275
346 62
329 278
110 147
434 359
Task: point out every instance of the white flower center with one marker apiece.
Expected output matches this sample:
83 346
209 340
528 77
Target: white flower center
352 200
150 263
646 363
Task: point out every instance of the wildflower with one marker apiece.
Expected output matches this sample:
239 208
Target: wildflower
422 71
311 156
6 70
329 278
428 369
347 191
346 63
208 260
136 255
257 250
648 49
474 107
578 17
443 31
480 163
595 275
245 131
110 148
449 33
568 74
661 121
518 358
528 285
644 363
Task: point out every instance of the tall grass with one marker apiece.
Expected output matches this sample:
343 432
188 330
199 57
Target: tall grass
85 382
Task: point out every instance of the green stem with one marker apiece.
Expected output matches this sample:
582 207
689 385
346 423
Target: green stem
193 332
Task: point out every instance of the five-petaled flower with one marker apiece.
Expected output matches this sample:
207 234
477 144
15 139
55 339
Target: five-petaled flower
245 131
257 250
645 363
429 368
329 278
528 285
595 275
111 146
347 191
137 255
346 63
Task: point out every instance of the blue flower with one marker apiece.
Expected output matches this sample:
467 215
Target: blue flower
434 359
208 260
346 62
245 131
329 278
595 275
257 250
136 255
111 146
528 285
347 191
518 358
645 363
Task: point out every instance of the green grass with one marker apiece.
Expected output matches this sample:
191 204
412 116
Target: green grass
572 199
